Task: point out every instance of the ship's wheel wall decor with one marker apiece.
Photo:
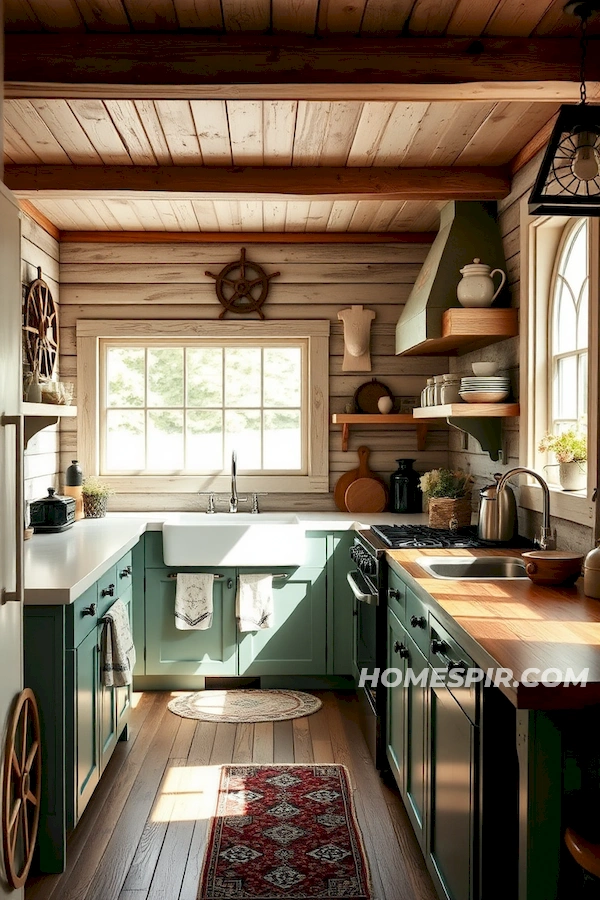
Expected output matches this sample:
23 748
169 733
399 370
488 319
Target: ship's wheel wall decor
40 327
21 788
242 286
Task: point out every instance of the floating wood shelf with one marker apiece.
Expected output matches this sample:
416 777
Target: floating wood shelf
481 420
470 410
464 330
389 421
41 415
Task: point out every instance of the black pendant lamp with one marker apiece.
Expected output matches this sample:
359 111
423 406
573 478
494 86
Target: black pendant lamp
568 183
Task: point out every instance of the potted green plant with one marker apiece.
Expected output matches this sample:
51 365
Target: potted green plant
449 497
95 495
570 449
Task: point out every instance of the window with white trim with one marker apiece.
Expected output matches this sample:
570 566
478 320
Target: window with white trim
569 332
165 403
182 408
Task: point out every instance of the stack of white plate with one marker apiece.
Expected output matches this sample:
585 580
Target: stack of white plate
477 389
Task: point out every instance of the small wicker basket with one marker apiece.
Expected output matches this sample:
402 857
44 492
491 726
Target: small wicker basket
94 507
445 512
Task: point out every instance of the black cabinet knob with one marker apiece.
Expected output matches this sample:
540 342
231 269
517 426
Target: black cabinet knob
109 591
438 647
393 594
125 573
418 621
401 650
89 610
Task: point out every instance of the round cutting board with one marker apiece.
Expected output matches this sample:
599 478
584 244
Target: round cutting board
345 480
365 495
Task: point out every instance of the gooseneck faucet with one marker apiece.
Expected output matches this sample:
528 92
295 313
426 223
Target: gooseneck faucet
233 500
546 540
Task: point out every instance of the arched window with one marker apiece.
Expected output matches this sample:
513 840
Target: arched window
568 332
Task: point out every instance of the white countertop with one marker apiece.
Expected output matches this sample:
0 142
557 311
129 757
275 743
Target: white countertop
60 567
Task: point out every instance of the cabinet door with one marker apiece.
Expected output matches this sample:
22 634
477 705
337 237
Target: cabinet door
453 796
340 602
171 651
416 735
296 644
87 756
396 700
113 703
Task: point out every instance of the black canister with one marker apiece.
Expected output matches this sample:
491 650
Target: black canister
74 474
405 492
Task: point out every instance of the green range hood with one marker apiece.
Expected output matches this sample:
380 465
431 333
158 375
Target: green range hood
468 229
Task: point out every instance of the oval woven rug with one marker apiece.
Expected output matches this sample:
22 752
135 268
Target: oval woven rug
245 705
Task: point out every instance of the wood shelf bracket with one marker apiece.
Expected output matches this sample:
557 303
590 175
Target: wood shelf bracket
487 431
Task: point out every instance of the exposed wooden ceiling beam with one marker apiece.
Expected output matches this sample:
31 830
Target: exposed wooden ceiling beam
245 237
39 217
294 67
230 183
538 142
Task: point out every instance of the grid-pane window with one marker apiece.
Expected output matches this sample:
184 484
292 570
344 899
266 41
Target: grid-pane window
569 332
183 409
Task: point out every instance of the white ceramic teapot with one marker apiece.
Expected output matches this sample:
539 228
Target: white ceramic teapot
476 287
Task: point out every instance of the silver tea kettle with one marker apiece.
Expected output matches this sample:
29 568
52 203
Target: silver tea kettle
497 518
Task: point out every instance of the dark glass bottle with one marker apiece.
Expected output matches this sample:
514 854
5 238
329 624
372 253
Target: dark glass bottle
405 492
74 475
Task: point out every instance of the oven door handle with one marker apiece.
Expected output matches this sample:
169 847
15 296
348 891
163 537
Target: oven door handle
358 589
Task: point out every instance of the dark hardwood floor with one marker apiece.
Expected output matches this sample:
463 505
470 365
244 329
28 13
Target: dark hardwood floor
142 836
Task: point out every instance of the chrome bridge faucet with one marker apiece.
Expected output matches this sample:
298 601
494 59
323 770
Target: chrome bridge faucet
234 499
546 540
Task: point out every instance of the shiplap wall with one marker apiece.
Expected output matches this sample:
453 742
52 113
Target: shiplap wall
570 534
42 455
168 281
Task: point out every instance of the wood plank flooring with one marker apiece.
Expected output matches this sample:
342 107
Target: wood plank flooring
143 834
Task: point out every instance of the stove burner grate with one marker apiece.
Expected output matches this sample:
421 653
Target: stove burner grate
422 537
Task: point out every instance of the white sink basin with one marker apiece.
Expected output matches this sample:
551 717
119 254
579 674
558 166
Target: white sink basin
233 539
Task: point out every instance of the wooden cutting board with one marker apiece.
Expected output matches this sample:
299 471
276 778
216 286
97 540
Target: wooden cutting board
345 480
366 495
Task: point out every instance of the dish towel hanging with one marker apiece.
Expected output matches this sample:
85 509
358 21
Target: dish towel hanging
194 601
254 602
118 652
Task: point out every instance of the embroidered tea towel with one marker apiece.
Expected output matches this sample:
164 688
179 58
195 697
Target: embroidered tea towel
254 602
118 652
194 601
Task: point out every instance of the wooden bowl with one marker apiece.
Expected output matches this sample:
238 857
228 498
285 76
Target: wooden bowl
553 566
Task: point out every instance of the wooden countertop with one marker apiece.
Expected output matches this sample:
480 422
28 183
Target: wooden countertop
516 625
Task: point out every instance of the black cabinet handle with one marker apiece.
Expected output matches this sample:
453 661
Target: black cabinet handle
229 583
393 594
355 613
89 610
418 621
124 573
401 649
440 648
109 591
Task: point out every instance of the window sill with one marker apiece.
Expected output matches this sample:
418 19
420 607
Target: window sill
571 505
221 484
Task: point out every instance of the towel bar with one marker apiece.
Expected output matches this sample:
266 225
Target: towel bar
217 577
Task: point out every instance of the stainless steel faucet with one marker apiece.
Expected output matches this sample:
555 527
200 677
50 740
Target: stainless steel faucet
546 540
233 500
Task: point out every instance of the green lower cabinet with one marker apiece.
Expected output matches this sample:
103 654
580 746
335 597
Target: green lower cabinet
85 681
296 644
170 651
452 830
396 700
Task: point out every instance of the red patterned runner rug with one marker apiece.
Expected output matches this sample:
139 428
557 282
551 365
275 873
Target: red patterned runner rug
285 831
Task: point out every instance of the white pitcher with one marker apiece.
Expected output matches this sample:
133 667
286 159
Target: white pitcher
476 287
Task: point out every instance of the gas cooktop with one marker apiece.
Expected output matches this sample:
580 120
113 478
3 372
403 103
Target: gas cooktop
420 537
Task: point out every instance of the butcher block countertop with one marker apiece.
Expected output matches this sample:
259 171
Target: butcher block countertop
515 625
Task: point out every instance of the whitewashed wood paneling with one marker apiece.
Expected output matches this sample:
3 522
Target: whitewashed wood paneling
128 281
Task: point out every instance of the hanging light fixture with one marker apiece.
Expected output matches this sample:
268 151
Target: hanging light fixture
568 183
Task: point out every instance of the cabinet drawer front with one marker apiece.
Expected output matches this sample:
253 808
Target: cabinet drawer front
82 616
107 589
124 574
396 595
417 622
467 697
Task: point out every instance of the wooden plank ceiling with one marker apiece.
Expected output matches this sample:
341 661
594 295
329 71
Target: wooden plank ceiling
514 18
260 133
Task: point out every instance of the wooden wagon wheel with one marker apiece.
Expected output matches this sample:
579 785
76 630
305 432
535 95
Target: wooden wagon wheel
21 788
242 286
41 328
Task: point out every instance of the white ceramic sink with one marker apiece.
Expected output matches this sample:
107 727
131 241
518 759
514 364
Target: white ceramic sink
233 539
